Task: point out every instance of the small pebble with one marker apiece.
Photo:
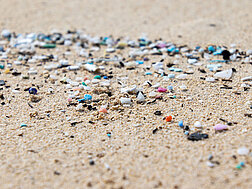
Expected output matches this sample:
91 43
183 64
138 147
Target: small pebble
158 112
91 162
2 83
197 136
210 157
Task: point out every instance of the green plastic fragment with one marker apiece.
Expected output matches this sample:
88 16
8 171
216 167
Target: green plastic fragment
49 46
97 77
23 125
83 83
238 166
1 66
103 43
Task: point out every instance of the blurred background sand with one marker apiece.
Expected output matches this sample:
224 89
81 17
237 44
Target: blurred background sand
193 20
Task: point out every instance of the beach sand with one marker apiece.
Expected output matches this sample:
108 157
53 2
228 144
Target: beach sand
52 153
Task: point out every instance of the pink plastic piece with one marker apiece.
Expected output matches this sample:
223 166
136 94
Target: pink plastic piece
160 89
161 45
220 127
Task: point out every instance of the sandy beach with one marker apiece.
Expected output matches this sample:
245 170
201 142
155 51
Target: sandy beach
107 143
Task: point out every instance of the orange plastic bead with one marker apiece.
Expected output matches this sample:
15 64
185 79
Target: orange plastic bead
103 110
168 118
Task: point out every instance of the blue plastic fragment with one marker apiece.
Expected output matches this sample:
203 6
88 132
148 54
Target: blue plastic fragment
171 49
139 62
180 123
81 100
171 75
186 132
170 88
33 91
211 49
242 164
148 73
178 70
87 97
217 61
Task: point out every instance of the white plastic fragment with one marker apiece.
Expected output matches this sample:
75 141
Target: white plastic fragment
243 151
73 67
131 64
79 107
32 72
197 124
107 166
210 79
183 88
210 164
249 78
110 50
249 52
125 100
156 85
16 91
181 76
53 77
192 61
74 83
226 74
17 62
152 94
158 65
94 81
91 67
5 33
140 97
131 89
